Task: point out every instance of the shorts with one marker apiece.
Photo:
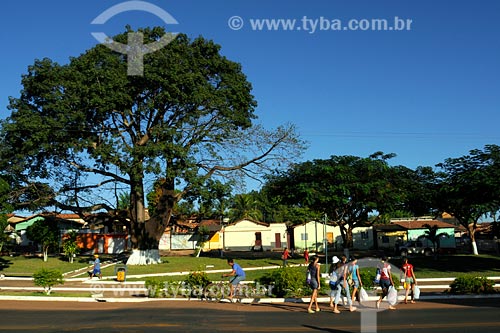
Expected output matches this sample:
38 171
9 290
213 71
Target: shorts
409 280
96 271
236 280
314 284
385 284
355 283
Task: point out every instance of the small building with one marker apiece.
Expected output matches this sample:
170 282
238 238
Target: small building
65 222
312 235
249 235
389 236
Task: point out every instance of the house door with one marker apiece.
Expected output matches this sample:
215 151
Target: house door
277 239
258 241
329 237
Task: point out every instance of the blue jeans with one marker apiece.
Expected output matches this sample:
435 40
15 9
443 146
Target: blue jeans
338 293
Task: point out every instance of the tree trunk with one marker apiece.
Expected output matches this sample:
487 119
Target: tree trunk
146 235
472 234
45 250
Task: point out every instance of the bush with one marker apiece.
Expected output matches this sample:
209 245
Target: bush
47 278
286 282
154 287
197 279
368 276
469 284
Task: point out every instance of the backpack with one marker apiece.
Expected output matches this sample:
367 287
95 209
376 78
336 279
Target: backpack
377 276
334 280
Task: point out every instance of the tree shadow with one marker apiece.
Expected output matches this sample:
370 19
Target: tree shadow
323 329
4 263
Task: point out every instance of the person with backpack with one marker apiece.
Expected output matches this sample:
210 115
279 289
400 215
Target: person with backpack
385 281
340 270
313 279
334 282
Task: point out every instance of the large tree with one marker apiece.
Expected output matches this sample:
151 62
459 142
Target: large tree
470 187
84 129
347 188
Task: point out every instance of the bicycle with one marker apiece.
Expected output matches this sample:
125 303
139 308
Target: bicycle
217 291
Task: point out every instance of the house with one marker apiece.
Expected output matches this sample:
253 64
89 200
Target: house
180 235
249 235
214 239
362 238
94 234
312 235
65 223
398 231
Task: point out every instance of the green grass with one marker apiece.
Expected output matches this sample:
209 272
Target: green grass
453 265
43 294
26 266
425 267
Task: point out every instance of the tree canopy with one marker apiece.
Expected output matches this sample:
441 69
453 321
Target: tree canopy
470 187
347 188
84 130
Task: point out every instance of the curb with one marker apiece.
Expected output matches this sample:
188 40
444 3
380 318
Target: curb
244 300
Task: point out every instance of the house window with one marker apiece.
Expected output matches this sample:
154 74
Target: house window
364 235
303 237
385 239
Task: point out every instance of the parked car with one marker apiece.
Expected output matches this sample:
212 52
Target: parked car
415 247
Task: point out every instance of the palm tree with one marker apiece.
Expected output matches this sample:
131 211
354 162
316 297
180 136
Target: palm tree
434 237
245 206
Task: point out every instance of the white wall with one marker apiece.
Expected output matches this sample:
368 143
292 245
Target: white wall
240 236
313 231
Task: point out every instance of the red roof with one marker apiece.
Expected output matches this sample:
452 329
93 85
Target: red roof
421 224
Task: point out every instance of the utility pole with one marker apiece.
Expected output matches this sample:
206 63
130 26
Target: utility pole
325 243
316 232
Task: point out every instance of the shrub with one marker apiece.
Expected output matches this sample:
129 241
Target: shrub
47 278
196 282
469 284
286 282
368 276
154 287
197 279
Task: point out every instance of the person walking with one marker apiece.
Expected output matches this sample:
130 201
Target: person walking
306 256
335 288
410 280
356 279
284 256
315 283
96 271
345 284
385 281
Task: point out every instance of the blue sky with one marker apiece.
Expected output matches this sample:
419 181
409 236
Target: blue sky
426 93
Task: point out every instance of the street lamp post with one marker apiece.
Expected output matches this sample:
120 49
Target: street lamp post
325 244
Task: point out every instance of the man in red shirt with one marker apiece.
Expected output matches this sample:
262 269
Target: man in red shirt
410 279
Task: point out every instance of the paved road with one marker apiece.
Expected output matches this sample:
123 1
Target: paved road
162 316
